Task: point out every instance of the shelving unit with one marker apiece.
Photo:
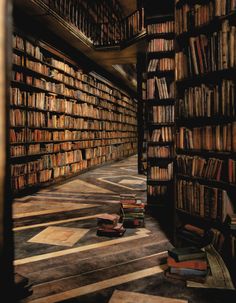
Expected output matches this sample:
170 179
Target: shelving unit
205 123
161 117
63 121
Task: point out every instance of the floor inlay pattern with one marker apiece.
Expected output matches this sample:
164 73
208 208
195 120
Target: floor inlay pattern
56 235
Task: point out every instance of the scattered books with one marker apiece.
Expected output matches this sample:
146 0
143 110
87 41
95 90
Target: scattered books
132 211
108 225
187 263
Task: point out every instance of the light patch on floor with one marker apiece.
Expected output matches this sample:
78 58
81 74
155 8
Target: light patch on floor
82 187
108 180
91 288
63 236
29 209
139 233
119 296
130 181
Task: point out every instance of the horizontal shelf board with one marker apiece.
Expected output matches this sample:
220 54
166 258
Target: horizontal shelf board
160 54
205 153
160 143
207 221
198 121
153 125
150 181
167 101
161 74
167 36
212 77
158 159
212 183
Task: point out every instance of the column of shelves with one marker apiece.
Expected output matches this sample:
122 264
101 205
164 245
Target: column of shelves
160 104
63 121
206 120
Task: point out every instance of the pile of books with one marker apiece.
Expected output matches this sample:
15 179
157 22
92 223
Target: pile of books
187 263
199 237
108 225
132 211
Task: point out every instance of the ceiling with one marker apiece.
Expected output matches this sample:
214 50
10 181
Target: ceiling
128 6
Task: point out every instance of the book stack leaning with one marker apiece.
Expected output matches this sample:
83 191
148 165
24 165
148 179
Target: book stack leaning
132 211
187 263
108 225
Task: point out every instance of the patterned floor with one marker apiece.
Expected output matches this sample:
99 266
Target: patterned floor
56 245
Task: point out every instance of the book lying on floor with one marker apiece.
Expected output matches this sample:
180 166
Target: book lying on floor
186 253
108 225
200 264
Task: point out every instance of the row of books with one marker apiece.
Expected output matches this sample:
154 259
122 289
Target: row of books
210 138
160 28
59 149
157 190
159 173
49 120
163 134
35 178
160 88
160 151
163 64
64 91
37 135
53 103
190 16
203 201
160 45
208 53
208 100
35 51
200 167
163 114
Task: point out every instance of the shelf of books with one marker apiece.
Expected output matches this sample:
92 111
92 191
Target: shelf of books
206 121
62 120
142 114
160 106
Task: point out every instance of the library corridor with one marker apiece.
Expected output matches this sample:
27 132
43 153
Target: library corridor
118 151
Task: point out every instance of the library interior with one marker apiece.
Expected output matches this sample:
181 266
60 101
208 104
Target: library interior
118 151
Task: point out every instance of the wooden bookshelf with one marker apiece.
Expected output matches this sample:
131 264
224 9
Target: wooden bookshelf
205 122
62 120
160 105
142 114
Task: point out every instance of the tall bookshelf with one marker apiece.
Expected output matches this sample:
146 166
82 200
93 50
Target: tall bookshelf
62 120
160 104
206 121
142 113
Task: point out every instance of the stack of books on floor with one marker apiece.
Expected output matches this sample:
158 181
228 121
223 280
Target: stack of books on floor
195 235
132 211
187 263
108 225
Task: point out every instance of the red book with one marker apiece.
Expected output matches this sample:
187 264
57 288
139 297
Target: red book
192 264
